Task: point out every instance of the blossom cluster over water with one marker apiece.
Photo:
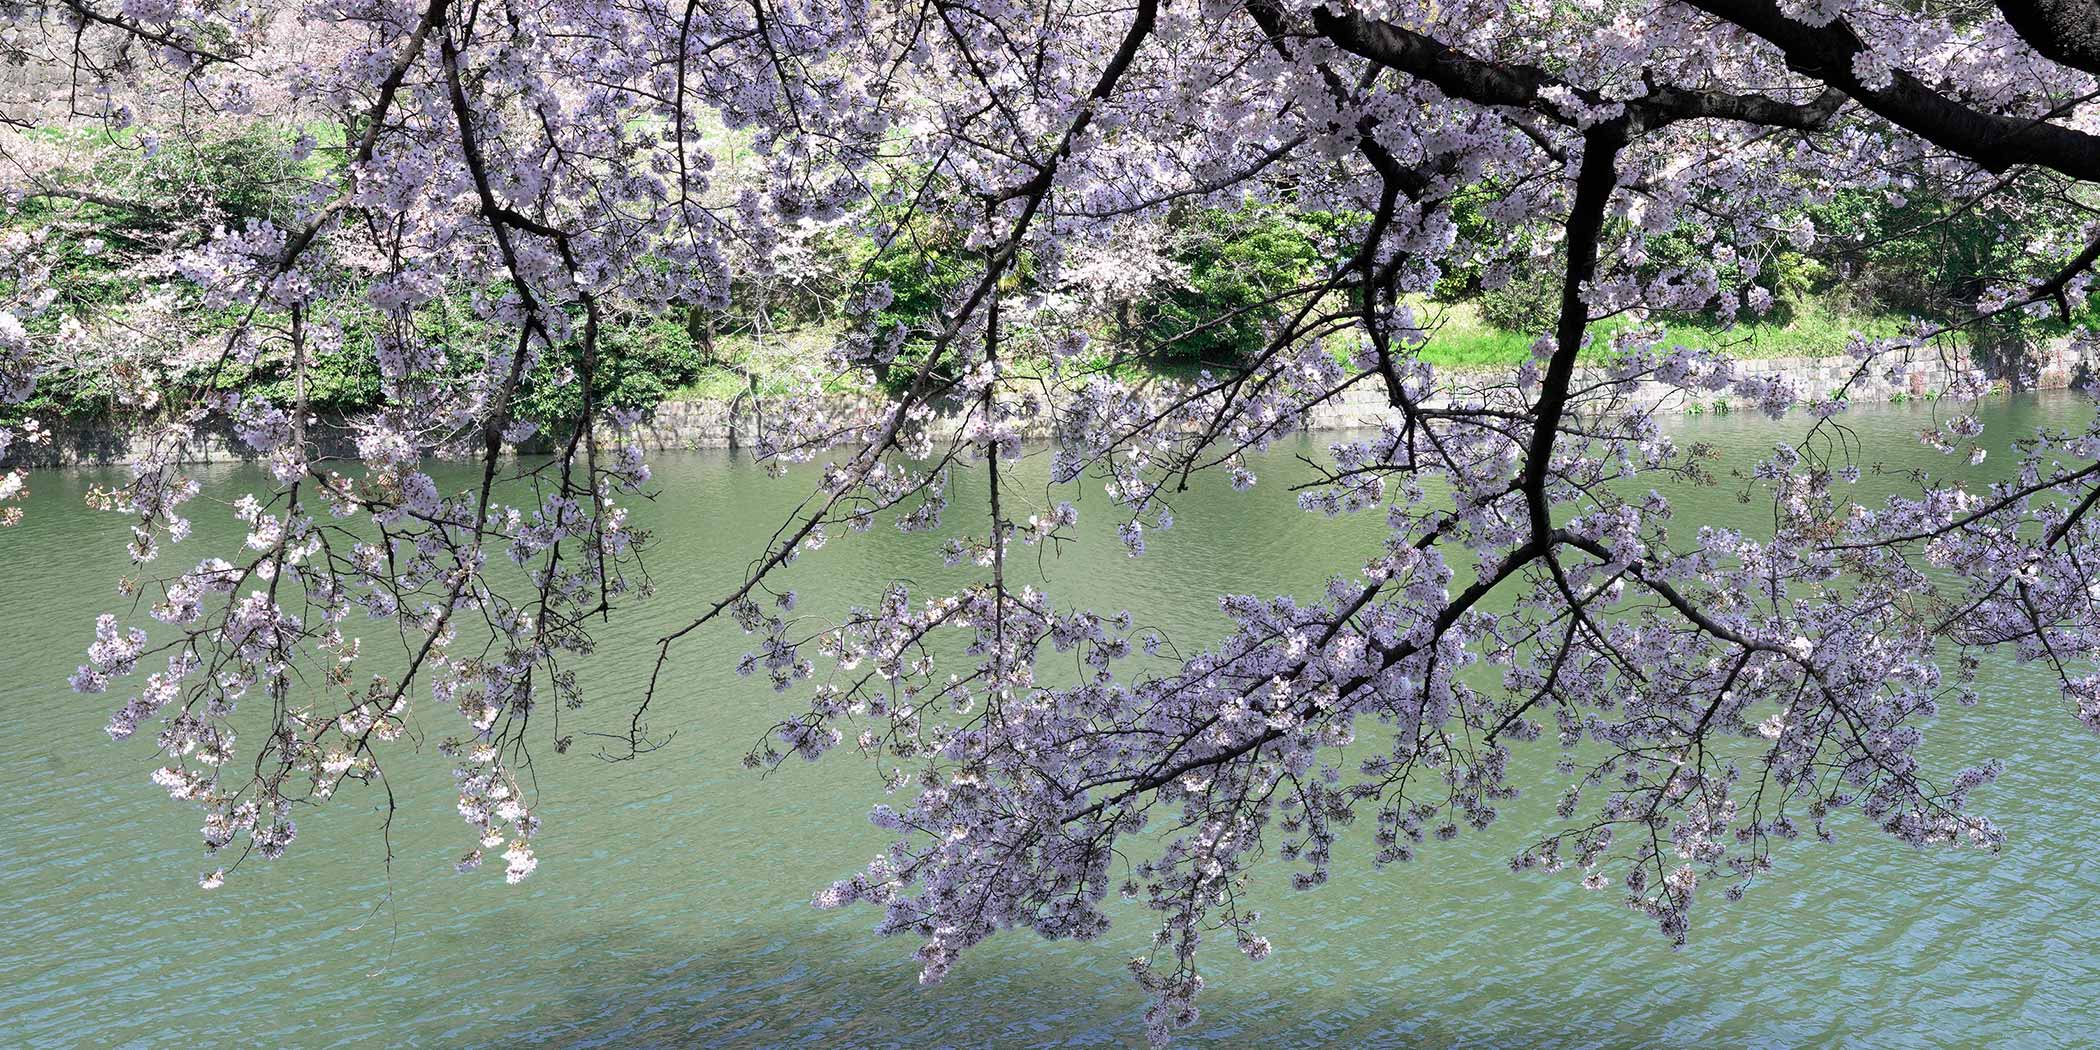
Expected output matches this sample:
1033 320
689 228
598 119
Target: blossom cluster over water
1710 693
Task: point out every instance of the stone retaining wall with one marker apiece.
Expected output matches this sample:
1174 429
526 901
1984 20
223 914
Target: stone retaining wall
715 424
1925 375
733 424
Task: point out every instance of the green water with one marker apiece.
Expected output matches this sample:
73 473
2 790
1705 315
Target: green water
670 907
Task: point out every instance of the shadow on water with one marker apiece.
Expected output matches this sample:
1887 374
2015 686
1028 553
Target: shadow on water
838 987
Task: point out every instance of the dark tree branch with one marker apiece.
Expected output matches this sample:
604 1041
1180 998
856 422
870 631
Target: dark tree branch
2067 31
1993 141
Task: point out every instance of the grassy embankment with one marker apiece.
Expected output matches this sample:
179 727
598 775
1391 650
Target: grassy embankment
1460 341
1463 341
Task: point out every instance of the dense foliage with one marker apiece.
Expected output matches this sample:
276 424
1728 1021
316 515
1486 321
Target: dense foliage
1872 260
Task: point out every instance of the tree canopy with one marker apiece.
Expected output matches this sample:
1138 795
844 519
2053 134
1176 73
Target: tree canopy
542 168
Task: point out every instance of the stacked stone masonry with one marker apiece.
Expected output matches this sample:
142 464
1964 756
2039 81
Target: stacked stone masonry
727 424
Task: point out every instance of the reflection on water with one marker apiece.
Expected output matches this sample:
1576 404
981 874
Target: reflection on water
671 904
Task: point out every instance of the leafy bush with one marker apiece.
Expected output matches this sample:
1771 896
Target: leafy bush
1529 304
1234 261
640 362
923 264
252 173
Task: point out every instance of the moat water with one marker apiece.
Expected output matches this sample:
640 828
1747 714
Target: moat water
671 904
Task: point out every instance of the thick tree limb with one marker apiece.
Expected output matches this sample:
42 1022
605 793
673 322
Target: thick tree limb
2067 31
1993 141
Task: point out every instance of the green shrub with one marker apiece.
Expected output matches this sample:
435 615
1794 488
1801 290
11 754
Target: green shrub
923 263
1235 261
1529 304
640 362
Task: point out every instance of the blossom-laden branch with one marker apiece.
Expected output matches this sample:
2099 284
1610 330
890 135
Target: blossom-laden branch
548 169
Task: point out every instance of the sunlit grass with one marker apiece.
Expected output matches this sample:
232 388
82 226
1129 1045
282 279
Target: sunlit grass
1458 339
1461 340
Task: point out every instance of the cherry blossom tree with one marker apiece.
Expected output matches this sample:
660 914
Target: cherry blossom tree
1711 694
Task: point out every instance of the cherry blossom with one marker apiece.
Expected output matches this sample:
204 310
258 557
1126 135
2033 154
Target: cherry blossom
1711 694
